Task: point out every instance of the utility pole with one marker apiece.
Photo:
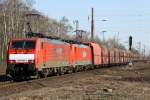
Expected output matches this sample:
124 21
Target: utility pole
103 32
77 27
139 47
76 22
117 39
92 25
144 51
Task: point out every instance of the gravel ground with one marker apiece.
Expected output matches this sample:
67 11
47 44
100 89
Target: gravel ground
114 83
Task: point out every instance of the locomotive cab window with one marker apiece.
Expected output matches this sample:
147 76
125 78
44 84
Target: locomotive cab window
23 44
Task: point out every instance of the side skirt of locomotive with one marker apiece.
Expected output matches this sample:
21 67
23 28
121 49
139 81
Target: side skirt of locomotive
45 72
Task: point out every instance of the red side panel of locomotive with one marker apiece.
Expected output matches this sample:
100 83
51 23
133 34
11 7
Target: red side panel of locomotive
53 53
83 54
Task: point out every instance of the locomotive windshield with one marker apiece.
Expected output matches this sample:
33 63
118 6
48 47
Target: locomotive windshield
23 44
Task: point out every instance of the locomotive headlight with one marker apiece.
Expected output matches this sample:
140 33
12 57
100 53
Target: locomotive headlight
31 61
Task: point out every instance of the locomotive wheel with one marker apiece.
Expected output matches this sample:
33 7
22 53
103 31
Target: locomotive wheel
75 69
66 70
70 70
62 71
80 68
85 68
57 71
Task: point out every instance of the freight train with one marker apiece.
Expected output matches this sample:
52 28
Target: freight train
43 56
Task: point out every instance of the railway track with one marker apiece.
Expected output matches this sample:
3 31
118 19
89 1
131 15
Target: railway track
5 80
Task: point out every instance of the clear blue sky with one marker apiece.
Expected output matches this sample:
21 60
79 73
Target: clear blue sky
128 17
